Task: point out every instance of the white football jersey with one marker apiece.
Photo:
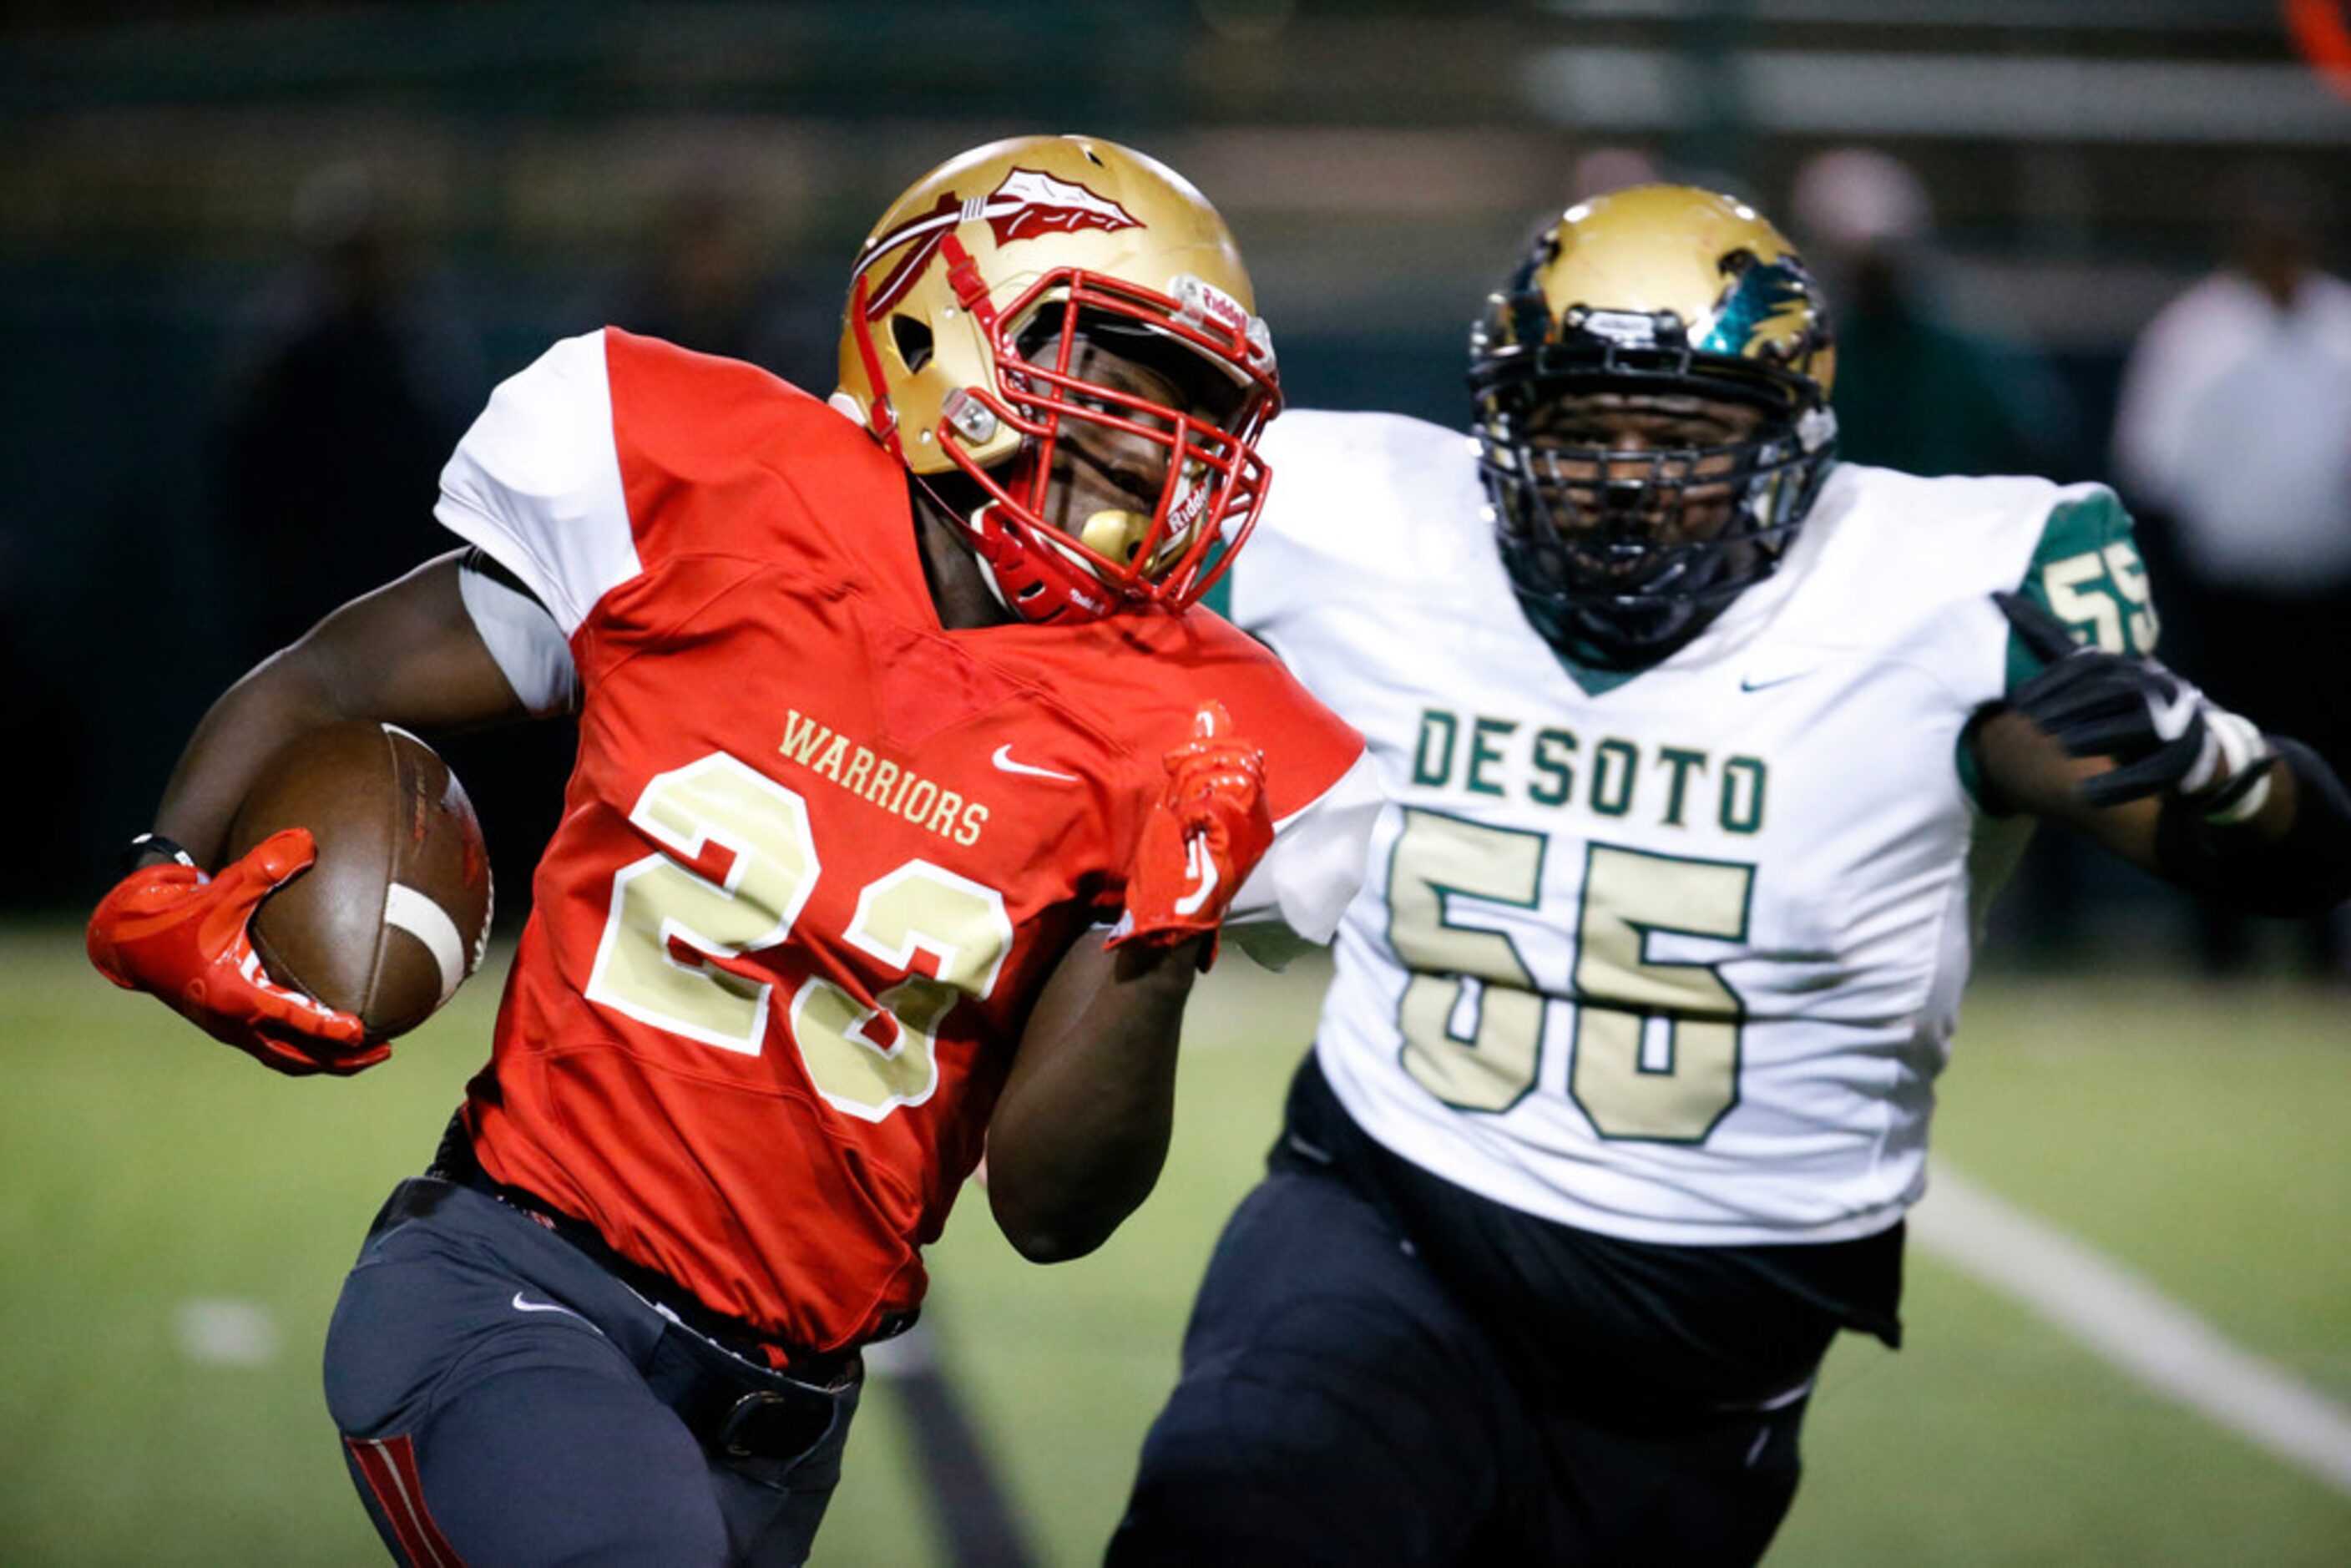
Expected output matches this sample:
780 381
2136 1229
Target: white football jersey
1675 957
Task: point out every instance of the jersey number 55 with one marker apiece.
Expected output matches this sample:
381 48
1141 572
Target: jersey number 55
1654 1052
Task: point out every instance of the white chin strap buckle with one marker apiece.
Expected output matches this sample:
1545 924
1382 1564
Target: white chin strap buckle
973 420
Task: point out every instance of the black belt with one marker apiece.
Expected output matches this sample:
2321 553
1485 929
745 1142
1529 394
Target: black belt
736 1409
741 1340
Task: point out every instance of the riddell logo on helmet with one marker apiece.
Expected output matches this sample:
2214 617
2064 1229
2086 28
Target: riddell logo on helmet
1208 303
1200 303
1028 203
1187 510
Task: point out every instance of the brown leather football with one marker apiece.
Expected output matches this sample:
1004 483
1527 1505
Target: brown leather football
396 912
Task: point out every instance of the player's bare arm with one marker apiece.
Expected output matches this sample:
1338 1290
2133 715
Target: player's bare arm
1081 1131
407 653
2120 749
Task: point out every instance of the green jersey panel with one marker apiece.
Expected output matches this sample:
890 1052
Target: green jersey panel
2087 571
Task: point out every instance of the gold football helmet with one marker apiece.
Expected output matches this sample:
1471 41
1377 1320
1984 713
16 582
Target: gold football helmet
1662 297
984 311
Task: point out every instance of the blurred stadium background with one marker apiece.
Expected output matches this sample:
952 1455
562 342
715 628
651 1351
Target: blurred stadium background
259 264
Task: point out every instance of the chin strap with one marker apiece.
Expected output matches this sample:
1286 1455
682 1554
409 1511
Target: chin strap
1008 565
1018 575
882 419
999 552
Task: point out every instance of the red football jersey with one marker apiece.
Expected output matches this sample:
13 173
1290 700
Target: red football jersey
818 854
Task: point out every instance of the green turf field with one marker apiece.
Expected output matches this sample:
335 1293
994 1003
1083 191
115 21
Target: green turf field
2196 1135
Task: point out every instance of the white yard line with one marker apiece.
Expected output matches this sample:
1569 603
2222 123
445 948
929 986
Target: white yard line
2130 1323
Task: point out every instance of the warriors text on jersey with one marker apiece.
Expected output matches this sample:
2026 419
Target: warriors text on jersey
1674 958
818 854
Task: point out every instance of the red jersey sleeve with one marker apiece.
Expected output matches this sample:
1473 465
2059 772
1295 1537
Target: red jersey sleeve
1320 781
1322 787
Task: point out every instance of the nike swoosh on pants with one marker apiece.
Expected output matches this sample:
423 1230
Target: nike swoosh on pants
521 1305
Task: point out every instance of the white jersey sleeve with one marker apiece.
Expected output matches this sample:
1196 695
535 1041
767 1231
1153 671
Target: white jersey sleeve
1330 541
536 483
1334 471
1314 867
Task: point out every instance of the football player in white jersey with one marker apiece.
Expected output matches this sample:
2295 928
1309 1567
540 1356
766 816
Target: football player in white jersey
1699 783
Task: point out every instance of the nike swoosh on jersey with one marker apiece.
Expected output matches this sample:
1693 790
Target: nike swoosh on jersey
1750 684
1003 759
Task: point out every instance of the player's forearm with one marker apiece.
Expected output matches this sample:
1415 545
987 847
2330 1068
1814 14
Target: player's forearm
277 701
2294 858
1081 1131
407 653
2022 768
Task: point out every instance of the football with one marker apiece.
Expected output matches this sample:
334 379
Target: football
396 912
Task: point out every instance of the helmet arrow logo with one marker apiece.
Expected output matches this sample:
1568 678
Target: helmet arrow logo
1030 203
1026 203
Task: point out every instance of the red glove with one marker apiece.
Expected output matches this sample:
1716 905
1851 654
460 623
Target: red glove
171 930
1206 833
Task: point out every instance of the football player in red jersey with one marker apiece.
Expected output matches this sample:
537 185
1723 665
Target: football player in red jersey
911 794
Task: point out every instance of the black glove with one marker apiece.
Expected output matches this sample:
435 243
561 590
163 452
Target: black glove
2165 735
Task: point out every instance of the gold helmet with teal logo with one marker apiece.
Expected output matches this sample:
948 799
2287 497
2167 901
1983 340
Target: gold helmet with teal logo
973 306
1683 316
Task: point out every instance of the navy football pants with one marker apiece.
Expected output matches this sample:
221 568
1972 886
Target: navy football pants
490 1381
1340 1405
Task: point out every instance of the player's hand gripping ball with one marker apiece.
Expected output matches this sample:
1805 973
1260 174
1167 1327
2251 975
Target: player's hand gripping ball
357 900
1205 834
172 931
2164 735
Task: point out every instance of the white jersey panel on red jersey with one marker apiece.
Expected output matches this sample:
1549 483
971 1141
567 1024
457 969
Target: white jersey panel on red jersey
524 641
1677 958
536 483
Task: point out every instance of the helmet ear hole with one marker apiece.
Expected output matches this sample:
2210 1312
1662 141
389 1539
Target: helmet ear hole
912 338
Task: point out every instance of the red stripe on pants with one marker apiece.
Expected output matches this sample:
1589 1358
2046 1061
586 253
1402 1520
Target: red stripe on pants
390 1465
